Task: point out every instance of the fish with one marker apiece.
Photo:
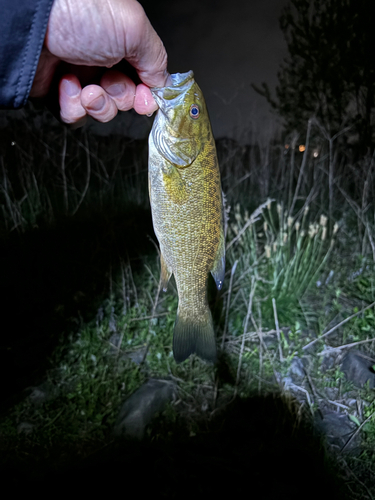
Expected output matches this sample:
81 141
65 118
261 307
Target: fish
187 210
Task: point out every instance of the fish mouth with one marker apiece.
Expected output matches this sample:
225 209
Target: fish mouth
171 95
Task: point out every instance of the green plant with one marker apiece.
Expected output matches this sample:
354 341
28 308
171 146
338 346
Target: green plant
287 256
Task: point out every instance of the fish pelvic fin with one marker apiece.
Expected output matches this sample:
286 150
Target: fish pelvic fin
165 273
194 336
218 268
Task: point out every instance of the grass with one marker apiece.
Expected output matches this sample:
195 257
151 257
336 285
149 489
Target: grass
300 262
286 256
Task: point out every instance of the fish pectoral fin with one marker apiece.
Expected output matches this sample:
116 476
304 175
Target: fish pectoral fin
218 269
174 184
165 273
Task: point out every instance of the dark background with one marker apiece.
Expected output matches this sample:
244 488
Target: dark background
228 45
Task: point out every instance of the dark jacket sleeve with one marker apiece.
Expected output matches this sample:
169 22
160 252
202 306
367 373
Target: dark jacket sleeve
23 25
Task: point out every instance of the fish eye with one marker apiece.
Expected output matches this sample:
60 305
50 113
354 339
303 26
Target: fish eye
194 111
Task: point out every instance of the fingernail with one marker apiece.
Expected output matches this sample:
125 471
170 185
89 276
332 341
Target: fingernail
70 88
116 89
97 104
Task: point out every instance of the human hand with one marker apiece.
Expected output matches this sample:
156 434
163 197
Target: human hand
101 33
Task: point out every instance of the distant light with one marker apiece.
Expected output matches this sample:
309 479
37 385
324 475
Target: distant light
286 146
316 153
301 148
13 143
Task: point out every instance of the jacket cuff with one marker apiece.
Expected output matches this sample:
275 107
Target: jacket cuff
23 25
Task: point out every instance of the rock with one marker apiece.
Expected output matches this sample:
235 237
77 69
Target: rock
337 429
140 408
296 369
25 428
332 393
114 341
137 355
358 369
38 396
329 358
42 393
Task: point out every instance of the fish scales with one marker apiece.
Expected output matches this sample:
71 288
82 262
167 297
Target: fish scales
187 209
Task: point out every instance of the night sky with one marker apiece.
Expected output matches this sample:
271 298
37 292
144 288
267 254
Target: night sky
228 45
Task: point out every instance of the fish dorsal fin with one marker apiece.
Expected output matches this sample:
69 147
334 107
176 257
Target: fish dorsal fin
179 151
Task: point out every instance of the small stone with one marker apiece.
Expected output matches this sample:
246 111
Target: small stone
25 428
296 368
338 429
358 369
142 406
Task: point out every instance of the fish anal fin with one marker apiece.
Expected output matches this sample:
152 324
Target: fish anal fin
218 268
165 273
194 336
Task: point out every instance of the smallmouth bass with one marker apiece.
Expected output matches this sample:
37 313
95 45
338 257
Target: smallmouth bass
187 210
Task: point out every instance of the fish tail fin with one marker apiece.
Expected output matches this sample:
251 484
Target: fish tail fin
194 335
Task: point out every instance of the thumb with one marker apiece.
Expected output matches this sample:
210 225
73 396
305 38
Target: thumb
144 50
